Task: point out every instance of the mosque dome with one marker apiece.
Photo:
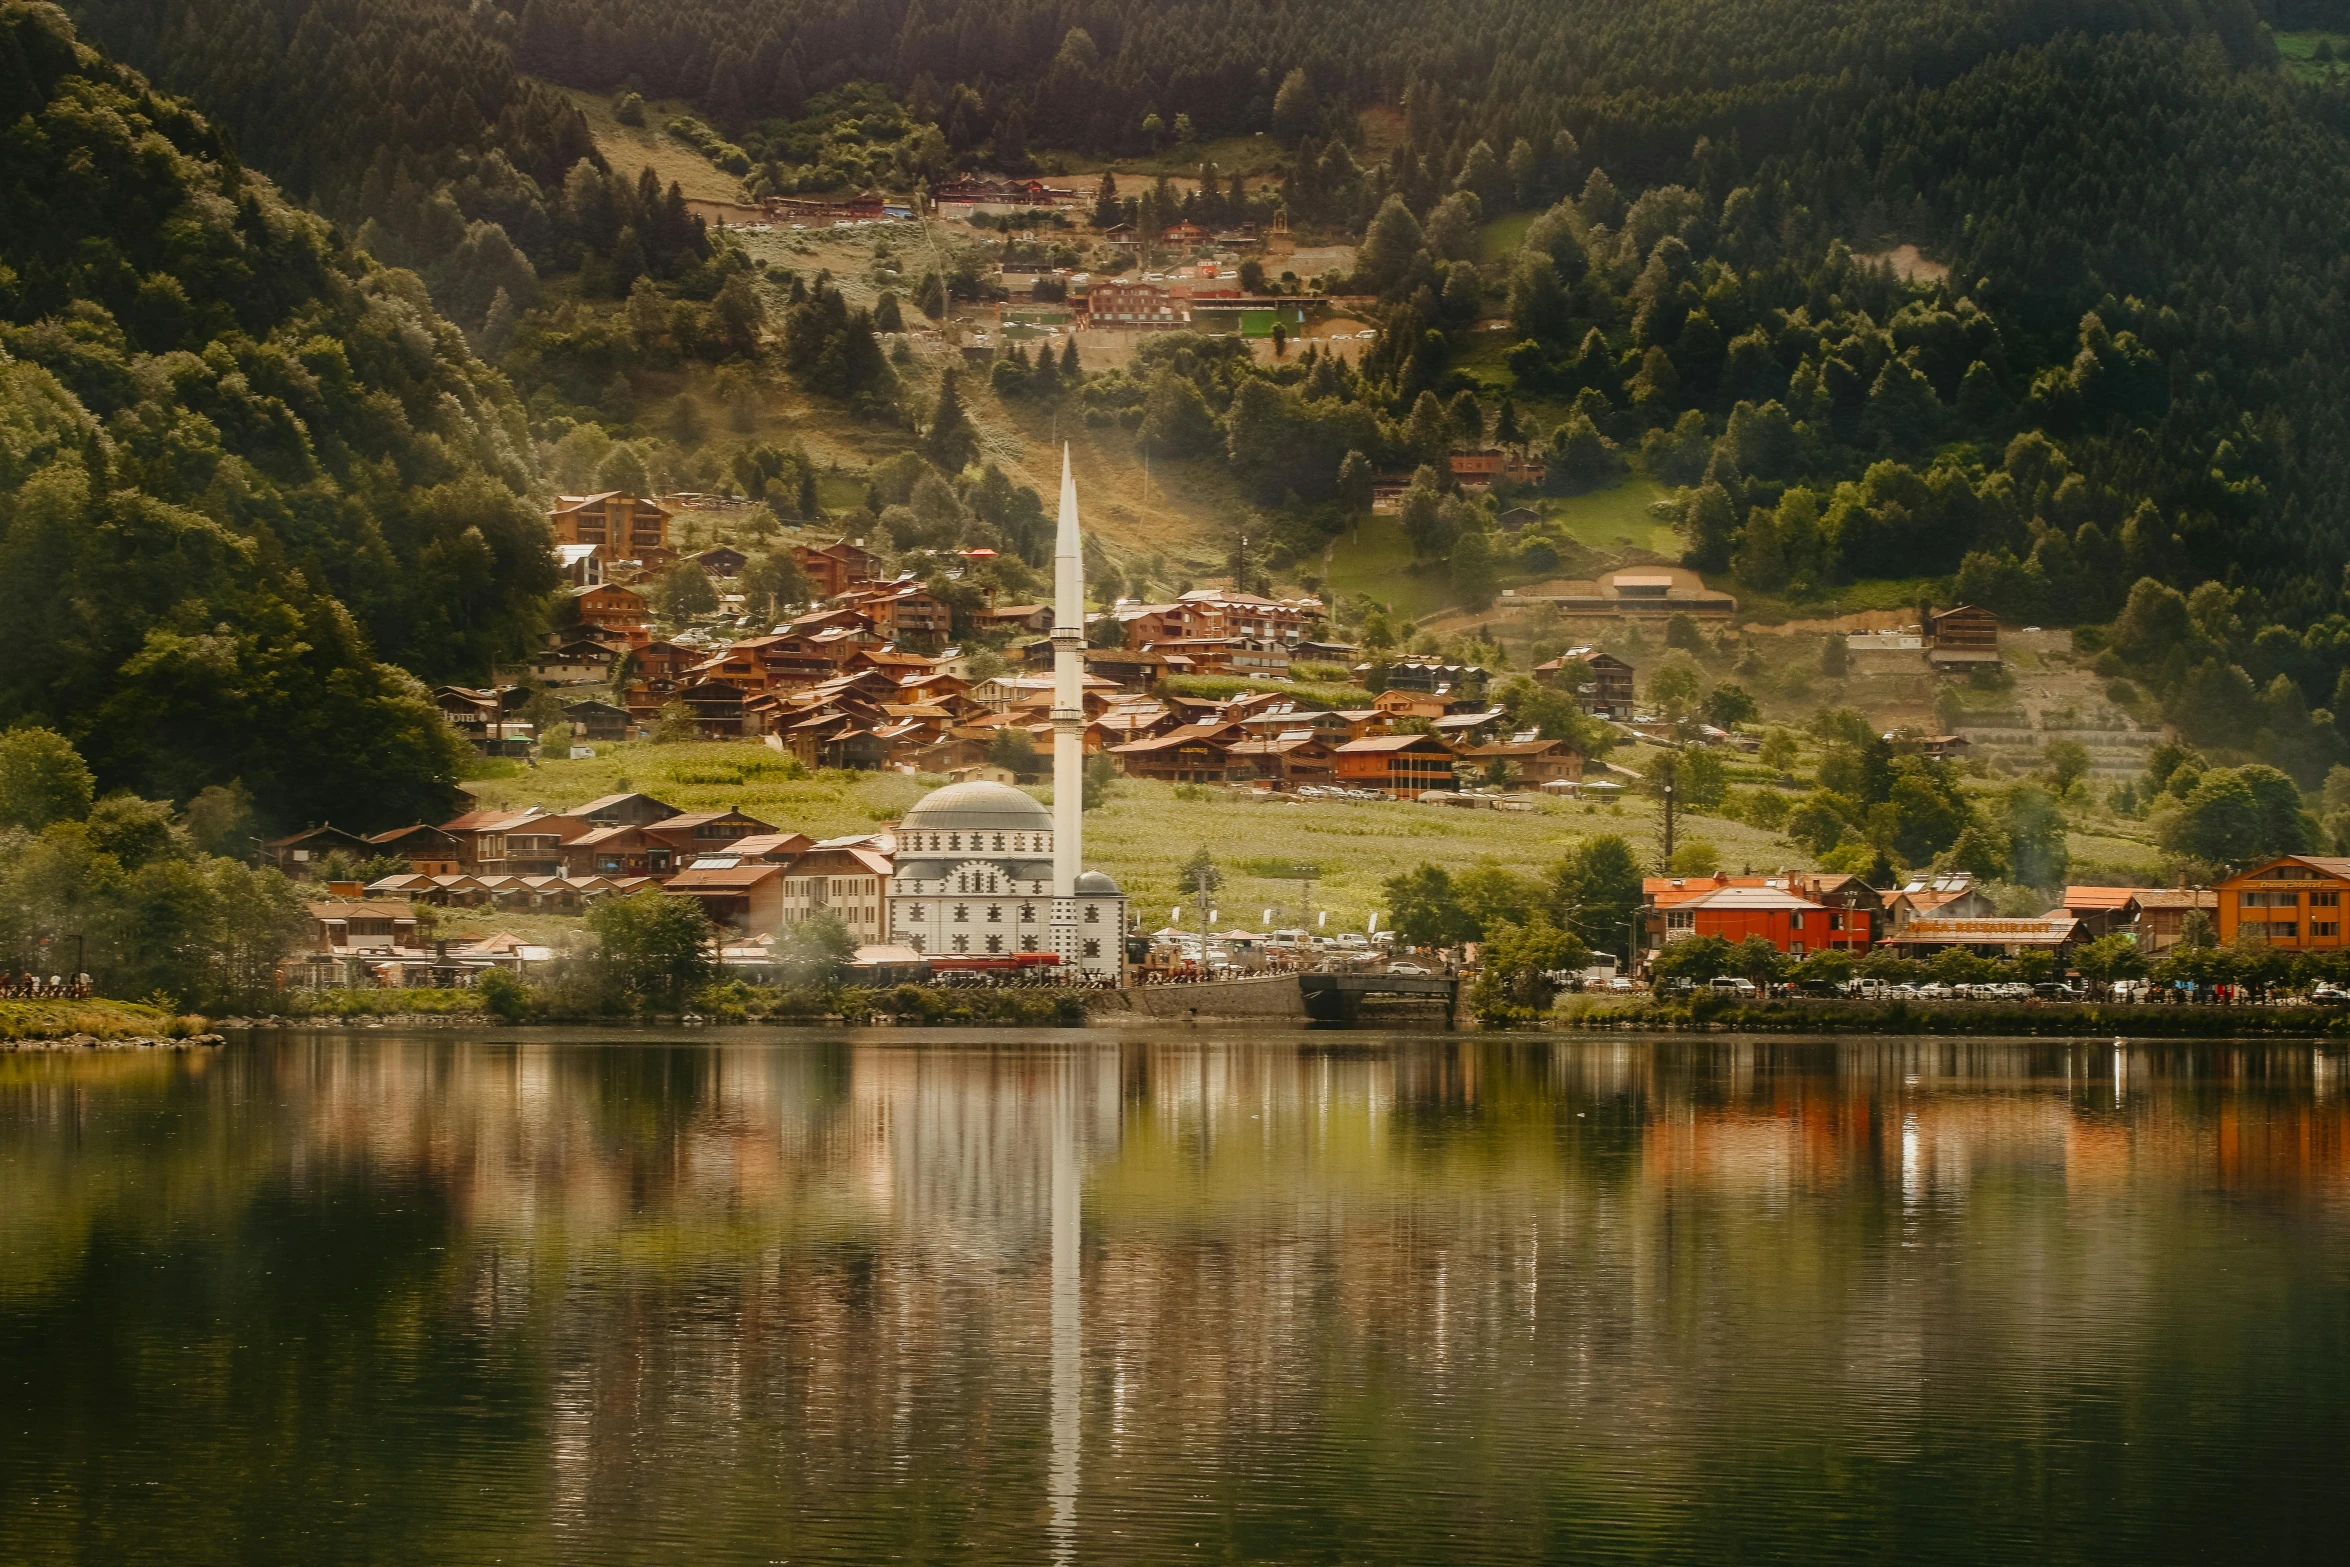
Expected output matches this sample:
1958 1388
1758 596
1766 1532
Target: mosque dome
978 806
1097 882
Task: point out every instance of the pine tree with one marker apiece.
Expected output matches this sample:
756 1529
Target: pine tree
1506 433
951 443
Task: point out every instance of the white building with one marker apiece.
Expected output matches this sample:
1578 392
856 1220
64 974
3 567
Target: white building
983 870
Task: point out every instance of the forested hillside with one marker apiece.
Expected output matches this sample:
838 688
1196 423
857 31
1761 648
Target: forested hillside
2127 363
243 469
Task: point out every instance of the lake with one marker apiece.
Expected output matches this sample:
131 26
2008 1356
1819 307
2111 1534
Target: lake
1194 1295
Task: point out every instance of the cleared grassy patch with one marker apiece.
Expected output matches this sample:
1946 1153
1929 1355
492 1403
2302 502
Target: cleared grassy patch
1376 560
1616 518
2298 54
1851 598
1246 155
1503 235
629 148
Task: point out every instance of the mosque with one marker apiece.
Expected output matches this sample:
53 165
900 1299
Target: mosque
982 868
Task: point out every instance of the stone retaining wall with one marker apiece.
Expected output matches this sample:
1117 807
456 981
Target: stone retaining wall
1271 996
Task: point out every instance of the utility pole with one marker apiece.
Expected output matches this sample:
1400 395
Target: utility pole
1667 765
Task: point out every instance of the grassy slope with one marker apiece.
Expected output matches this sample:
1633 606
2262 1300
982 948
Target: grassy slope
1143 832
2296 49
1503 235
1376 559
629 148
1252 156
1616 518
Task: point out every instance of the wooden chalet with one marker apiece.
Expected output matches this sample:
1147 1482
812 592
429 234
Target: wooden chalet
835 568
428 850
1189 753
1528 759
625 525
296 853
1404 766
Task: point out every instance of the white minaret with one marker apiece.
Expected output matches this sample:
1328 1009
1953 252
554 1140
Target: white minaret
1068 708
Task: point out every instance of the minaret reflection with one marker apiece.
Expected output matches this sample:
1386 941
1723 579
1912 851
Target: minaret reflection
1068 1315
984 1155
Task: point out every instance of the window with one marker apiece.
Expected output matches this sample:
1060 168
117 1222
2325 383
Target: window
1027 913
2268 900
955 840
999 843
962 943
2325 900
2325 928
962 913
915 941
995 943
1835 921
1093 914
995 914
1093 948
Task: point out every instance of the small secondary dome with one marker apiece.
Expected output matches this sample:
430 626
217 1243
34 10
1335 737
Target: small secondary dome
1096 882
977 806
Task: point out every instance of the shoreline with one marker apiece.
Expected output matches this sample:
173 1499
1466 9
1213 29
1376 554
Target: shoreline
97 1042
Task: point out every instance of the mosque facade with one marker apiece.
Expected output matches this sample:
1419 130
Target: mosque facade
983 869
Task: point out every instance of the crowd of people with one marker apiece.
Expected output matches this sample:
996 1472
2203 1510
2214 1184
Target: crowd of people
34 987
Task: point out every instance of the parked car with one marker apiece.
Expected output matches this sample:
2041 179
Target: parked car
2055 990
1413 970
1620 983
1730 985
2329 995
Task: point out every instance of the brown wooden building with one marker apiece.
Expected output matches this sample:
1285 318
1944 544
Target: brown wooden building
624 525
1403 765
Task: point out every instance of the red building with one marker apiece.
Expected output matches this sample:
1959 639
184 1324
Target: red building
1791 918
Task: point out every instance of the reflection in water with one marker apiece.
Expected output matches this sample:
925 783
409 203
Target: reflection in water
1098 1299
1068 1308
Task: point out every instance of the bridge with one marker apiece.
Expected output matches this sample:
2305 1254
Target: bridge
1338 998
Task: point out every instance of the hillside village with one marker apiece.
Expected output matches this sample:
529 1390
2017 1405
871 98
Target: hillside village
886 675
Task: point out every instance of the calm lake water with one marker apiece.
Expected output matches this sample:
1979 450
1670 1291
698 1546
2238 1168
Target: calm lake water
1194 1296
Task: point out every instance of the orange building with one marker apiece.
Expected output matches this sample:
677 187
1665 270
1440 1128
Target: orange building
2293 901
623 524
1403 765
610 607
